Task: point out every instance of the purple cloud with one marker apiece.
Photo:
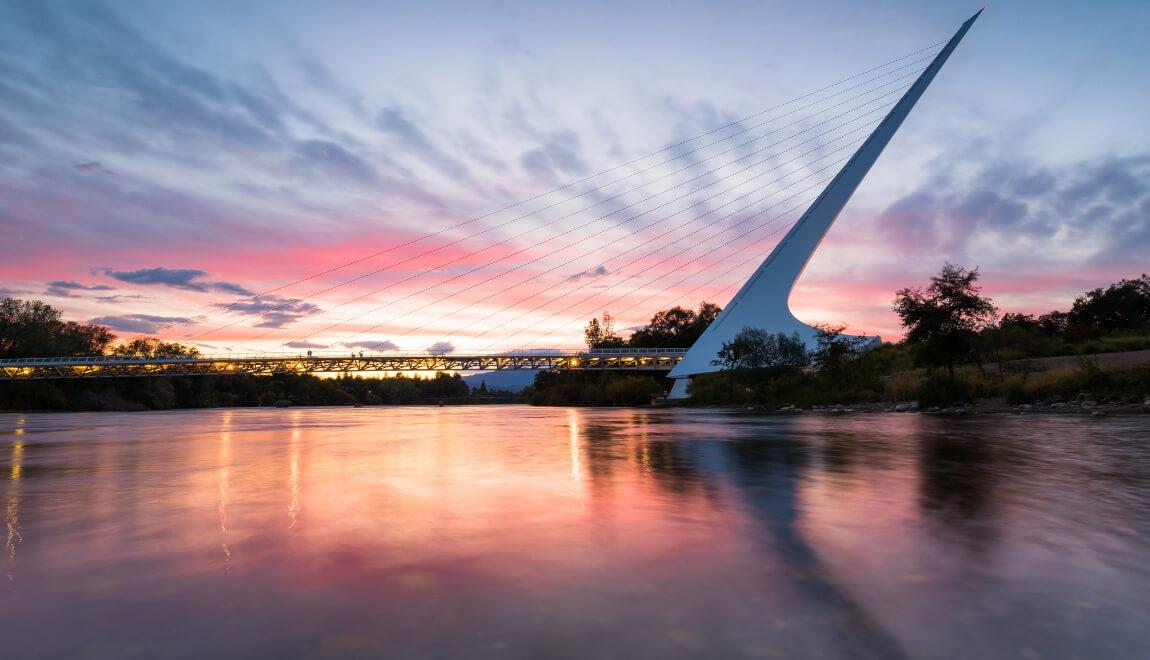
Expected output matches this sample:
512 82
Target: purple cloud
189 279
144 323
598 271
64 289
273 311
303 344
441 348
384 345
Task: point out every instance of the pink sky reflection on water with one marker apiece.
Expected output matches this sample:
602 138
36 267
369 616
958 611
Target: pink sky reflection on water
522 532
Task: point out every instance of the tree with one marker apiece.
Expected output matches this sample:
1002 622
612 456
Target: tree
601 334
152 347
755 357
1025 322
30 328
1053 324
835 352
753 348
677 327
943 321
1121 306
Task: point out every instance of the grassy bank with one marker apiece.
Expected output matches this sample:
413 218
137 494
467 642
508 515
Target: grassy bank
1016 382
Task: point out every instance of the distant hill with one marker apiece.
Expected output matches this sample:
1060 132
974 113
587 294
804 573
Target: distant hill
502 380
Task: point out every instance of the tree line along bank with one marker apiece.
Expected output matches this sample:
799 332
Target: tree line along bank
957 348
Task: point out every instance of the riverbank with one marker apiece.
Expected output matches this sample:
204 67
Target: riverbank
1082 408
241 391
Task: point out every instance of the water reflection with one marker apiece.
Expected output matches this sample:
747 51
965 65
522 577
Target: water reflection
768 469
576 442
958 475
12 499
224 479
293 480
520 532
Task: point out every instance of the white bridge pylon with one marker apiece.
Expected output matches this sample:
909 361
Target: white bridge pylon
763 301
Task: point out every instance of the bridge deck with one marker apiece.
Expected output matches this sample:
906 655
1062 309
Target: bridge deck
653 359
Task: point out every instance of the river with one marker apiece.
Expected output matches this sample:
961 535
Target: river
519 532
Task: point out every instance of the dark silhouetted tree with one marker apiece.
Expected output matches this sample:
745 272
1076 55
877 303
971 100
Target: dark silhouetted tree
943 321
1053 324
1121 306
836 353
601 334
754 357
152 347
753 348
30 328
677 327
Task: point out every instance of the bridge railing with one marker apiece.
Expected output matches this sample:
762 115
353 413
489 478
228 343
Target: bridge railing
328 355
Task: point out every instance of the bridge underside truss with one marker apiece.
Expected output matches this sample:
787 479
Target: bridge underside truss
113 367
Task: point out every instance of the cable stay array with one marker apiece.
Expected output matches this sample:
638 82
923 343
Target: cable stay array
416 257
553 252
668 214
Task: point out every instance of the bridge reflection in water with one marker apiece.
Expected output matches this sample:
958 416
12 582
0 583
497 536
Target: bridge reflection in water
585 533
635 359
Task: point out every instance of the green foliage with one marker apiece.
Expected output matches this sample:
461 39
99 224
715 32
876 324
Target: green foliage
710 390
756 349
676 327
1015 393
595 388
1090 375
1111 344
242 390
943 391
754 362
943 321
837 355
632 390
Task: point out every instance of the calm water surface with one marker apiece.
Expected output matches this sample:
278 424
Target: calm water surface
516 532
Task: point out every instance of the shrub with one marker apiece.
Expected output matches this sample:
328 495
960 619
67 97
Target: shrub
942 391
632 391
902 386
1015 393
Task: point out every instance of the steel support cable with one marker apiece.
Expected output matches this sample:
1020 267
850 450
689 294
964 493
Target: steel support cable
649 197
728 271
568 185
524 347
441 265
741 264
647 283
673 270
667 259
314 294
645 243
713 279
661 262
455 277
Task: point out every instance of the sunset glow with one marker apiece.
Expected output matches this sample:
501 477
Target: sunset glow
152 184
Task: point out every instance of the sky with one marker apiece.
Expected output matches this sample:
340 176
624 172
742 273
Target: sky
289 176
